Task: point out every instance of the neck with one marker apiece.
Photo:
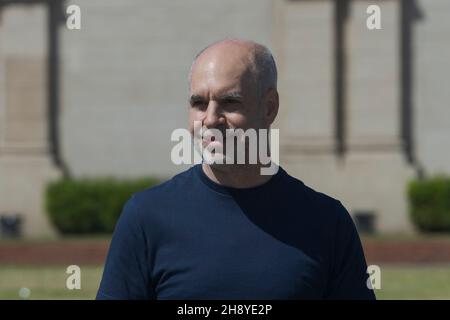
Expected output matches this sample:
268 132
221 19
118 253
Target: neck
236 176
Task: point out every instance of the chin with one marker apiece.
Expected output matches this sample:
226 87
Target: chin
217 159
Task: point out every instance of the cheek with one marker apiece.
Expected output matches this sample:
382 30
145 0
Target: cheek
241 121
193 116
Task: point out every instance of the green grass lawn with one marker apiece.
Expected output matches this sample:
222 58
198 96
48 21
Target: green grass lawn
397 282
415 282
47 282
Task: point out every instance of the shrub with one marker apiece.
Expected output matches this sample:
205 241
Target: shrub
90 206
429 203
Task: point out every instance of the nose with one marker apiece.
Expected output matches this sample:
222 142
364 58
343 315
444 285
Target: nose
214 116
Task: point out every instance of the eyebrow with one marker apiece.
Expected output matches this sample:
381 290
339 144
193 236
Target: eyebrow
229 95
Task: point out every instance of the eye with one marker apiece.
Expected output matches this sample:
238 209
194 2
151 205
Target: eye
231 105
199 104
230 101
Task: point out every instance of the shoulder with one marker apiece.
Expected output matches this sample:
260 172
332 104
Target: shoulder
147 210
167 189
157 200
309 194
323 205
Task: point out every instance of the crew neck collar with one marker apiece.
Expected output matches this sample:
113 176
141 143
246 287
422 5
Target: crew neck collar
229 191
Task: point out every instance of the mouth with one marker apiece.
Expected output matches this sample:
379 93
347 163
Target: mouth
207 138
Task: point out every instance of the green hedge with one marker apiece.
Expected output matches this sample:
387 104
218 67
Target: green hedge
90 206
429 202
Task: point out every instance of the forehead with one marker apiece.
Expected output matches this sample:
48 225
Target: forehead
220 72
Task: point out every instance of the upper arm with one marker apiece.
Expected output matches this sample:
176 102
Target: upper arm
126 273
348 278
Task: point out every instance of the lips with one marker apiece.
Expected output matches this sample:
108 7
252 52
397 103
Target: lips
208 138
207 142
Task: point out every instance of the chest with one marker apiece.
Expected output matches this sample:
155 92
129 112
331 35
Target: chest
240 261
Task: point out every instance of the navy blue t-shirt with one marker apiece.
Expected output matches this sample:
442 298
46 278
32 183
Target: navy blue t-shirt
191 238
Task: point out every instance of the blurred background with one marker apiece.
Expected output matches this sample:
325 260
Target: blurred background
86 116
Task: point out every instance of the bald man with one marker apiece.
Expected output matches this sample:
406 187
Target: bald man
224 230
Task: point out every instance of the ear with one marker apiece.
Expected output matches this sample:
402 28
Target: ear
271 106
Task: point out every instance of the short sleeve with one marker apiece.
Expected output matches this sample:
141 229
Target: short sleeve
126 273
348 278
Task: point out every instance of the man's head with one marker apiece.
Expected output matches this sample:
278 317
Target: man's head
233 85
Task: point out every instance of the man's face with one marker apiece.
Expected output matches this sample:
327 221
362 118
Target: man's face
223 94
